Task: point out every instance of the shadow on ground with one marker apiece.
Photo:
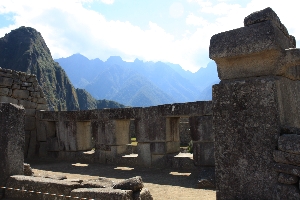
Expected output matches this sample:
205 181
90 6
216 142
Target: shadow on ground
173 177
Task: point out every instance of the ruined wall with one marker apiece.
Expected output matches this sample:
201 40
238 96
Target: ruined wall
11 141
69 134
253 106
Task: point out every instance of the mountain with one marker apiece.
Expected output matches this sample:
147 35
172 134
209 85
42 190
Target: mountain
139 83
24 49
87 102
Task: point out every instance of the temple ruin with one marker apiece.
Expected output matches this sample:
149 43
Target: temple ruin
248 133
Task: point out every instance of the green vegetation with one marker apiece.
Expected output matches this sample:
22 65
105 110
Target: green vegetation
133 142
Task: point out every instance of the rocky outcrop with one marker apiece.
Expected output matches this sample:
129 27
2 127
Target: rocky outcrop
25 50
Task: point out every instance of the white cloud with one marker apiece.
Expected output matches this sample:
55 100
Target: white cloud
108 1
69 28
196 21
176 10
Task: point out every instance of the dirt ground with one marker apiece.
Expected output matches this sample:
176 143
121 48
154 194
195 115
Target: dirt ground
162 183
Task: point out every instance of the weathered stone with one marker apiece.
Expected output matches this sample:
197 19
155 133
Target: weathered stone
27 104
144 153
288 169
35 94
4 81
26 84
12 141
5 99
98 183
15 86
4 91
32 145
30 112
54 144
84 136
203 153
38 184
67 134
289 143
27 170
246 127
201 128
206 178
42 101
114 132
172 129
287 158
20 94
287 178
134 184
42 149
266 14
102 193
286 192
42 107
144 194
29 123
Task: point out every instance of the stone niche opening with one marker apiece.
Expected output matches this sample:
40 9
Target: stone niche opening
84 136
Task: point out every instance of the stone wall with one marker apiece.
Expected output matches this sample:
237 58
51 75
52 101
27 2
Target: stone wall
23 89
69 134
11 141
254 107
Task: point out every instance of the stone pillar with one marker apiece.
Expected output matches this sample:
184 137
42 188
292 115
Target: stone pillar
157 135
12 140
259 78
112 138
203 140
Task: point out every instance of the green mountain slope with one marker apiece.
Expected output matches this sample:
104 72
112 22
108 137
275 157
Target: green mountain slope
24 49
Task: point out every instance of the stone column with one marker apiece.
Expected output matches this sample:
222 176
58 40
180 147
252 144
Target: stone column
203 140
12 140
259 79
112 139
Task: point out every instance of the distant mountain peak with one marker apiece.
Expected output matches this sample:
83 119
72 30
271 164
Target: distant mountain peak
114 60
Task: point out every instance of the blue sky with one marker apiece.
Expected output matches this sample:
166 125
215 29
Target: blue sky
176 31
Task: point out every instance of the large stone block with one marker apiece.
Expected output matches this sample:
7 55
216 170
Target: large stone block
84 136
54 144
4 91
30 123
20 94
5 99
288 158
164 147
150 125
289 143
45 187
27 104
12 141
32 147
201 128
102 193
246 126
43 150
203 154
113 132
144 153
4 81
172 129
286 192
255 50
67 134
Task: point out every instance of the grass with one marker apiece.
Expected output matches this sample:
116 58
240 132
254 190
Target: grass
133 142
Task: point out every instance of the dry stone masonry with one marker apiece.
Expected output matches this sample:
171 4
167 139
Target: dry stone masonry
12 141
254 107
70 134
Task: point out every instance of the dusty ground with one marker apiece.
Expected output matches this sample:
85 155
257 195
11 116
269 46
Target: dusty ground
162 183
